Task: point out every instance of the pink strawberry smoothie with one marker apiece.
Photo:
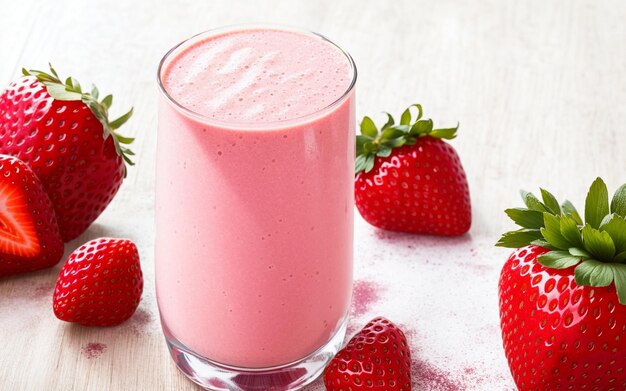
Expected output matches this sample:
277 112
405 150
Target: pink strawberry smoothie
254 215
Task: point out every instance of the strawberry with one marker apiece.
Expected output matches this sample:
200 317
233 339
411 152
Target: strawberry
409 180
64 134
29 235
563 293
377 358
100 284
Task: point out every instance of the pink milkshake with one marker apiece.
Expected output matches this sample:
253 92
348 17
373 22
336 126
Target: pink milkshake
255 205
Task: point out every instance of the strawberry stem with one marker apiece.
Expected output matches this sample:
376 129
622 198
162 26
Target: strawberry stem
71 90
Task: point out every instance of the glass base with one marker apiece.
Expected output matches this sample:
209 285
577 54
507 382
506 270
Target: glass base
219 377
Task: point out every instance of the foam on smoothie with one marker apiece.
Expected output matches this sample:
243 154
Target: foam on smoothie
258 76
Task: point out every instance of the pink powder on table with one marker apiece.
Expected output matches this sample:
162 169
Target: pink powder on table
411 337
43 291
140 321
94 349
427 376
364 294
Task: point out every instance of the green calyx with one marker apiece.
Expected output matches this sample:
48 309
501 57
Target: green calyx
596 246
70 90
372 142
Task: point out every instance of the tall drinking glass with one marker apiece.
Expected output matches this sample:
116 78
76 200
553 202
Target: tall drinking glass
254 205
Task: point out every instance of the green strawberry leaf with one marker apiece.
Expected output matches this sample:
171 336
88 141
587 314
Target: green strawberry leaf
405 118
578 252
525 217
422 127
94 92
605 221
570 231
597 203
398 142
558 260
369 163
369 148
60 92
602 275
107 101
552 232
391 133
52 70
447 133
126 158
618 204
128 151
420 112
389 122
532 202
360 163
384 151
368 128
620 258
569 209
125 140
550 202
598 243
121 120
543 243
619 278
583 272
360 142
519 238
616 228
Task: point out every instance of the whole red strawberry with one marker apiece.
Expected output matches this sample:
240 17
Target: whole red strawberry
410 180
100 284
563 293
65 136
377 358
29 235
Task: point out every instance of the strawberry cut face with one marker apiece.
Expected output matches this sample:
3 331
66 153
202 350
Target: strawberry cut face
17 229
29 234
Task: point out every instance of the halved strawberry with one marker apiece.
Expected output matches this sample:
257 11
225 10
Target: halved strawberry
29 235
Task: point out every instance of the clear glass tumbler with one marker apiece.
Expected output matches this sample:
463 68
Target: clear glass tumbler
254 223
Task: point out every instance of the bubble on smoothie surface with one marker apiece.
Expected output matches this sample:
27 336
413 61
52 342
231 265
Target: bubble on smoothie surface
256 76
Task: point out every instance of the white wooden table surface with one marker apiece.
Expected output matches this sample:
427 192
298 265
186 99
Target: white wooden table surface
538 86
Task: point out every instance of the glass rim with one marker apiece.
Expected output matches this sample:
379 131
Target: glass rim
254 125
